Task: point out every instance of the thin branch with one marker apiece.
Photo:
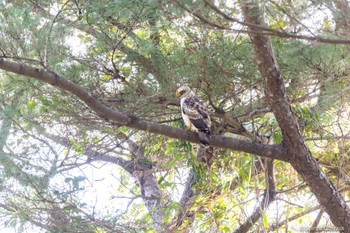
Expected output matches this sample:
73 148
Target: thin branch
291 17
269 197
31 220
316 222
94 155
254 113
187 194
283 222
258 29
289 203
98 34
239 128
328 138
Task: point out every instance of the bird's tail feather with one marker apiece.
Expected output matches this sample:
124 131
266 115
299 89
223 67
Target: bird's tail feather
204 137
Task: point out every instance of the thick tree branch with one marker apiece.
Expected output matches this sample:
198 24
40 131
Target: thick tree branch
270 151
275 92
150 190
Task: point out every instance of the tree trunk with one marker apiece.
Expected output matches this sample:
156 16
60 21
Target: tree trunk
301 158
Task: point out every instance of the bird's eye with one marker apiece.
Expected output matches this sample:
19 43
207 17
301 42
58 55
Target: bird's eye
182 92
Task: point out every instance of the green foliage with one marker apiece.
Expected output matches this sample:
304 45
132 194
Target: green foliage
132 56
265 220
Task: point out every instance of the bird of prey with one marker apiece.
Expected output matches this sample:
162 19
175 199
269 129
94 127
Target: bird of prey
194 114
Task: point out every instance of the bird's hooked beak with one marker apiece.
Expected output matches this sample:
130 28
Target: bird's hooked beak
181 92
178 94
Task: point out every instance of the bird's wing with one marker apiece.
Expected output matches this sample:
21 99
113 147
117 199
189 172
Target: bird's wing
197 114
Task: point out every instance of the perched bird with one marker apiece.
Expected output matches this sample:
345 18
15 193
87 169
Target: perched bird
194 114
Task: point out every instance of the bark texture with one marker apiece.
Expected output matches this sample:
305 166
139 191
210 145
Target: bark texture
293 142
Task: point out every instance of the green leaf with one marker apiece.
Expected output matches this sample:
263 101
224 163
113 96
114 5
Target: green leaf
126 71
95 140
106 77
243 175
281 24
265 220
224 228
31 105
277 137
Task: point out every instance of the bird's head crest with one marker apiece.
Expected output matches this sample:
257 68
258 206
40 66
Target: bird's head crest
182 91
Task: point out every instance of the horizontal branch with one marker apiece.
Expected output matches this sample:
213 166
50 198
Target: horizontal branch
269 151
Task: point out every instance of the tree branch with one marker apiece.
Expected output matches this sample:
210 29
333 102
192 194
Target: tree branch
269 197
262 30
270 151
132 54
203 156
283 222
316 222
15 209
151 193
